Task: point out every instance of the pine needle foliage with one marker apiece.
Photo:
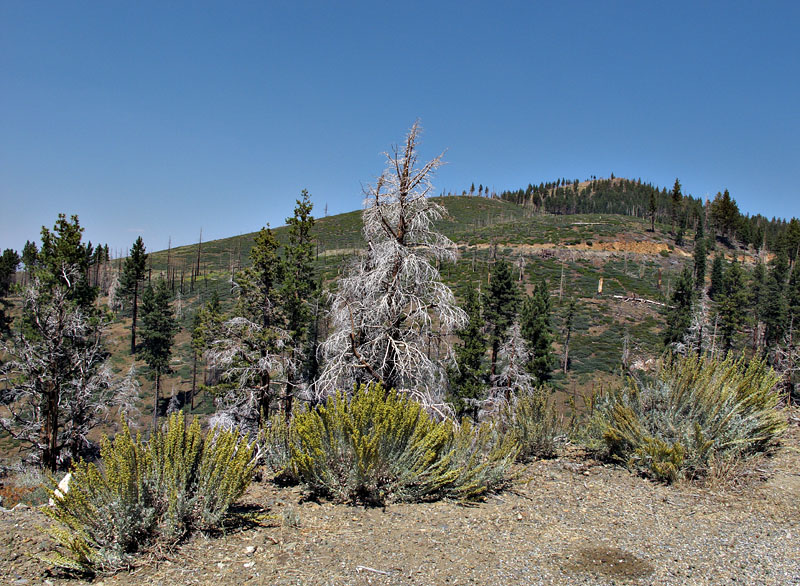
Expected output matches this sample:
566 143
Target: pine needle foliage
697 411
146 494
379 446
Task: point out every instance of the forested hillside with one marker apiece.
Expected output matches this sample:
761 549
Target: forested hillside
624 282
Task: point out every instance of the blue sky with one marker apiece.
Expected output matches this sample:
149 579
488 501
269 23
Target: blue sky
161 118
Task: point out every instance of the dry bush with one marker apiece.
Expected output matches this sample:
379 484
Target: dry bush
532 420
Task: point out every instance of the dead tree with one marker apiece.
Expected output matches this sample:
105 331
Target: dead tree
56 382
393 299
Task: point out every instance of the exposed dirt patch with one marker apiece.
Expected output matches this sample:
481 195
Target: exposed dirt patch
627 246
607 561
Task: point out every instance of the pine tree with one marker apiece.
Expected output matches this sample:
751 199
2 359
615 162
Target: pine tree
9 262
383 310
793 296
780 266
133 273
157 331
776 309
298 291
679 315
466 378
63 262
248 352
731 306
568 323
534 321
677 197
700 264
206 328
717 277
55 383
652 209
30 255
500 302
724 214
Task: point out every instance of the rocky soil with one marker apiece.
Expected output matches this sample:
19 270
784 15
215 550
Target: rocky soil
570 520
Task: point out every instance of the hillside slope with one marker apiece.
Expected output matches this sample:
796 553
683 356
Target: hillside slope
571 252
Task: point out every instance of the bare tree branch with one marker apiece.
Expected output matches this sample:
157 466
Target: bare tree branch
392 299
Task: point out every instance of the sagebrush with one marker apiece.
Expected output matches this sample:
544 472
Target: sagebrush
532 420
147 493
379 446
694 412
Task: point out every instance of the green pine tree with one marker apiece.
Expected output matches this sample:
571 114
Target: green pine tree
157 331
63 261
206 328
776 307
793 296
700 263
535 328
731 306
259 302
467 377
9 262
679 314
500 302
677 198
652 208
133 272
298 291
717 277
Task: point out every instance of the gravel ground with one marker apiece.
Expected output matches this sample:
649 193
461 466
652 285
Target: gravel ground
564 521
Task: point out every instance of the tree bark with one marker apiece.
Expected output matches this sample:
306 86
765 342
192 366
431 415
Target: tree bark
194 382
133 323
50 430
155 402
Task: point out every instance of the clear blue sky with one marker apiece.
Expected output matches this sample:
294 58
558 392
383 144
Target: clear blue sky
159 118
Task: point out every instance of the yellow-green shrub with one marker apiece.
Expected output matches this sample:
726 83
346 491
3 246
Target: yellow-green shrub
147 492
275 441
378 446
530 417
694 411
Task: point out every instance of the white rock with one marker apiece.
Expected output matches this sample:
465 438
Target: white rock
63 488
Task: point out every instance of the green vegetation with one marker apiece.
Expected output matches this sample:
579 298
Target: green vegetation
146 495
695 412
9 261
133 272
378 446
466 377
532 420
